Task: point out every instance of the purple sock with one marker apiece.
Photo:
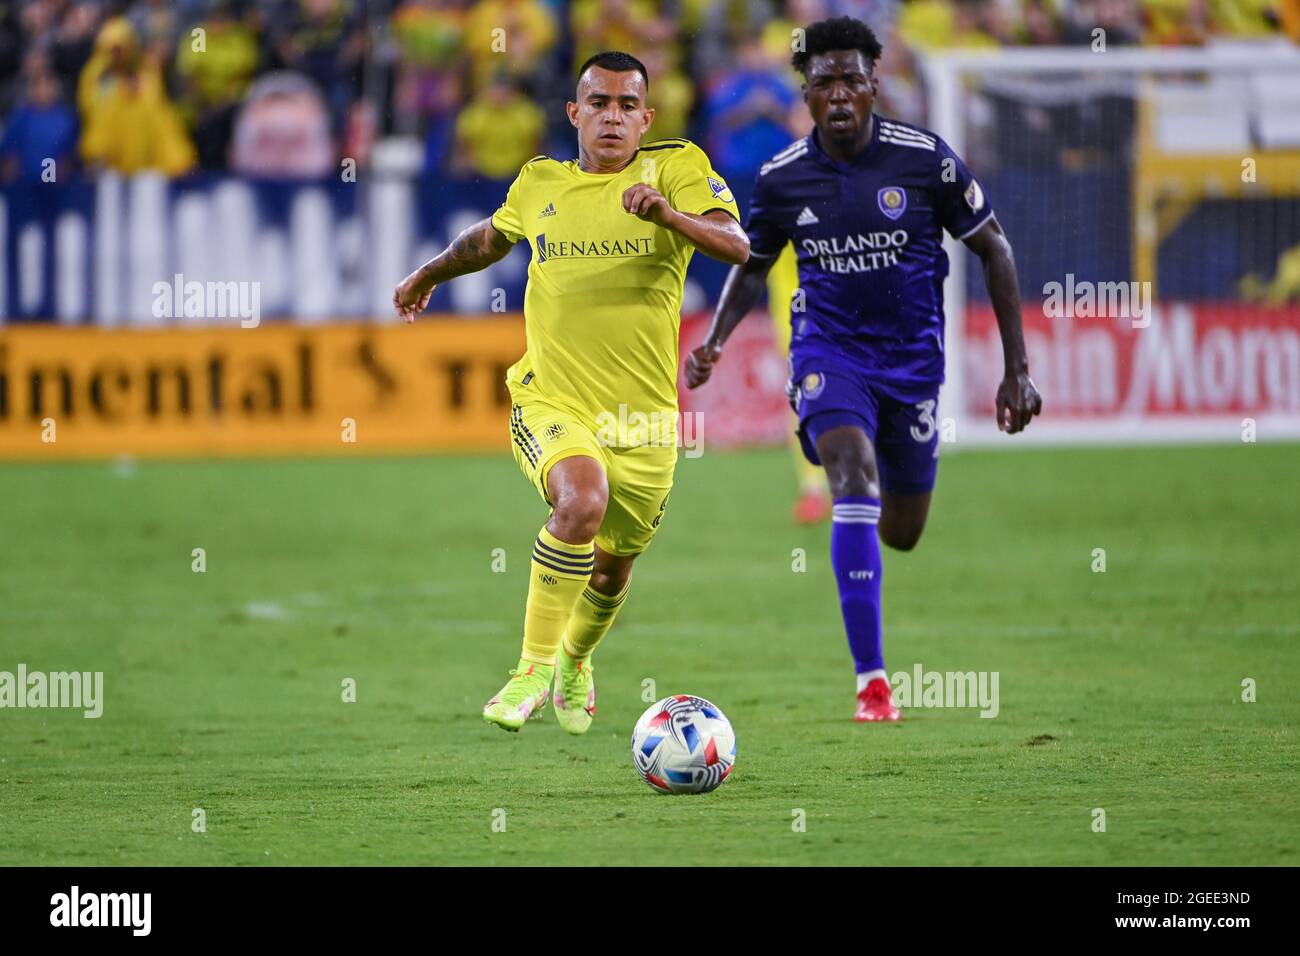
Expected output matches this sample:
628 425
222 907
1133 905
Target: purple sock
855 556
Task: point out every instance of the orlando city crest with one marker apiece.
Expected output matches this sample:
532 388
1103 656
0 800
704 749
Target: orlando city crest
892 201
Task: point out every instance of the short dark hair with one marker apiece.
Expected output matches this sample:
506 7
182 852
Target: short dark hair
618 62
837 33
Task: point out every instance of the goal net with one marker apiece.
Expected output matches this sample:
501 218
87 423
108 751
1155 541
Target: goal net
1153 201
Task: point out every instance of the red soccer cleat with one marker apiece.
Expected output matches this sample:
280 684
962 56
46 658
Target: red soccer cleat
876 703
813 507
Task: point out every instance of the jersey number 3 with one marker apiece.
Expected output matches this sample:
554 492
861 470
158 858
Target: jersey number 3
926 432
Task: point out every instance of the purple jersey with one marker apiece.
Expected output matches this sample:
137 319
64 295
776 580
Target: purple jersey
869 240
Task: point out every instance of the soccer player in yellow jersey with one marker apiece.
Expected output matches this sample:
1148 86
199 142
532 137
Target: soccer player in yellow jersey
594 399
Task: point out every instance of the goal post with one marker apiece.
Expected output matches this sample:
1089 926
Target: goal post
1153 200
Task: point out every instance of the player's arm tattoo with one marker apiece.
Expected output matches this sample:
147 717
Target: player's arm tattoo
740 293
476 248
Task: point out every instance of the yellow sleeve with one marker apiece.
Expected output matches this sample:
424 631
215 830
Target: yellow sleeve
690 183
88 85
177 154
96 135
508 219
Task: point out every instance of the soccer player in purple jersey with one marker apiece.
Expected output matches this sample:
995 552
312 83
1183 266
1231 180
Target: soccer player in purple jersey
865 201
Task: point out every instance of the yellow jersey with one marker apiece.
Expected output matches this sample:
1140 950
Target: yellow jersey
603 302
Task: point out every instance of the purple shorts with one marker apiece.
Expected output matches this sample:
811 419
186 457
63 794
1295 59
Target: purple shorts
901 421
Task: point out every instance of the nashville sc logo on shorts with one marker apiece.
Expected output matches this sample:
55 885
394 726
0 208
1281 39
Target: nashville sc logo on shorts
548 249
554 431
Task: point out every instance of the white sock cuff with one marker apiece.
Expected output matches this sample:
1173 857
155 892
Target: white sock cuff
867 677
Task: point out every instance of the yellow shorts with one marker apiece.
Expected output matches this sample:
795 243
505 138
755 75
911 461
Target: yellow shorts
639 477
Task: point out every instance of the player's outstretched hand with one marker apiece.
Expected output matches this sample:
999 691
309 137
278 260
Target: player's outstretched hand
1018 401
645 202
699 364
409 300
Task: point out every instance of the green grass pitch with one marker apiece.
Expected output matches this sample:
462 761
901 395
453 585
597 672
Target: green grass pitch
1118 690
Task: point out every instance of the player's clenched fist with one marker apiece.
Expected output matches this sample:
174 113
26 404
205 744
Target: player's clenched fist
699 364
411 297
646 202
1017 401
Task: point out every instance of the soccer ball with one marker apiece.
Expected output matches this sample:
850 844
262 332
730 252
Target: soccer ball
683 744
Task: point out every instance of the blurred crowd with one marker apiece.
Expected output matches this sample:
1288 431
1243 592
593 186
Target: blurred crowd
286 88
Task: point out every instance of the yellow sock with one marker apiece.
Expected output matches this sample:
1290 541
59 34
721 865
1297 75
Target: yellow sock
559 573
590 620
